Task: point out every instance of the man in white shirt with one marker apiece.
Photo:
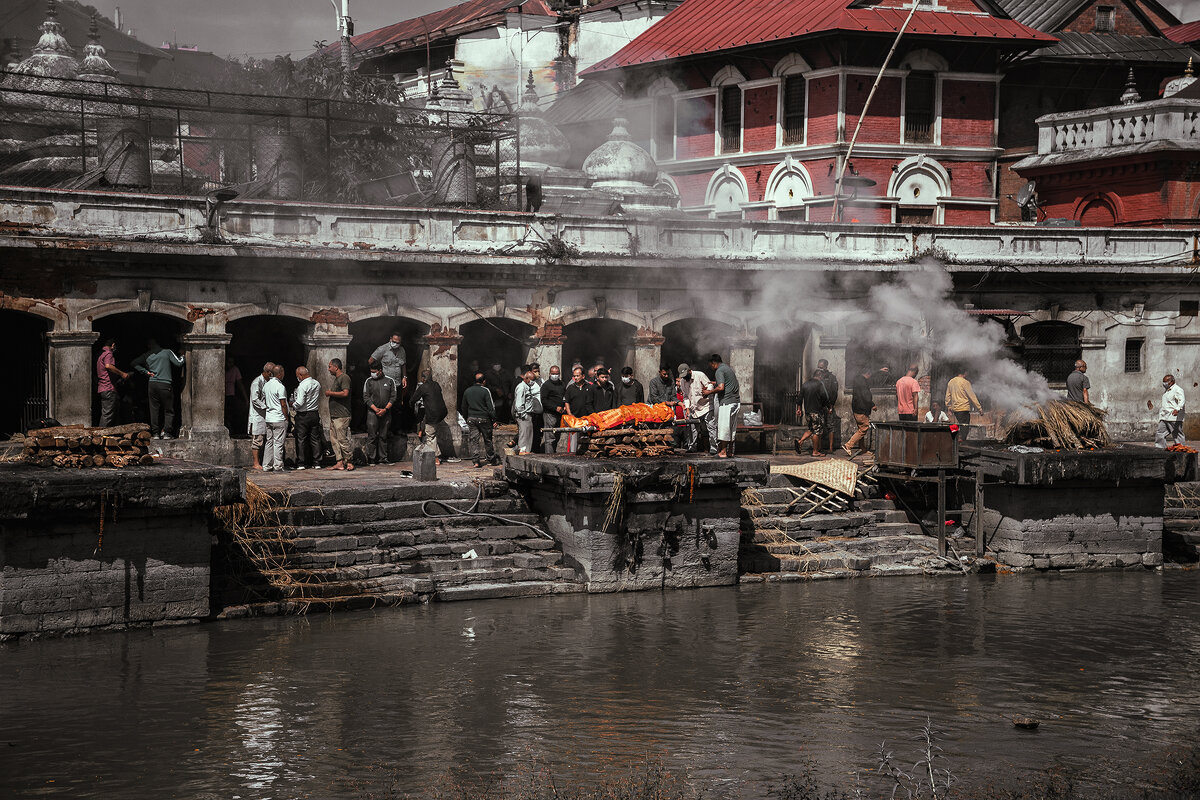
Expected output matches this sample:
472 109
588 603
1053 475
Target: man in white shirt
523 405
256 422
308 420
698 405
1170 415
276 415
936 413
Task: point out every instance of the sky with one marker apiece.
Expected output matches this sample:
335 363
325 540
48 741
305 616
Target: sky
264 28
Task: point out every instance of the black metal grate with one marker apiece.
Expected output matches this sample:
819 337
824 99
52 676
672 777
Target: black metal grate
919 105
731 119
795 88
1051 349
1133 355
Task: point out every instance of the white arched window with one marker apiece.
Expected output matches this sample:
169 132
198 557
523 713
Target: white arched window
727 192
729 109
921 95
919 184
662 123
788 188
793 99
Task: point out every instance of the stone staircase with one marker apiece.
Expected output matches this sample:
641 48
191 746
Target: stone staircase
339 547
872 539
1181 523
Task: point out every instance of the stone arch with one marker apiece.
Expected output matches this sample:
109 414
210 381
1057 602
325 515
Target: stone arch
663 85
664 319
1099 210
582 313
235 313
790 64
920 181
409 312
467 315
789 185
38 308
924 60
132 328
727 190
109 308
728 75
665 182
609 339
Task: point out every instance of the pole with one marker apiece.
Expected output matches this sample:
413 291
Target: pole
837 188
979 546
941 489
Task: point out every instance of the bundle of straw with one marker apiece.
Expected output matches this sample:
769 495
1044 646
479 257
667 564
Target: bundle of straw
1062 425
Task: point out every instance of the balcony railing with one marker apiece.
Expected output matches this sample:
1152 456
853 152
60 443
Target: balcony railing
1120 126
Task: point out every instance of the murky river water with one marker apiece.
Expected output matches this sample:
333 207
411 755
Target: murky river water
734 686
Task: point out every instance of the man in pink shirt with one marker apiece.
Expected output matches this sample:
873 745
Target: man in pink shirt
907 390
106 370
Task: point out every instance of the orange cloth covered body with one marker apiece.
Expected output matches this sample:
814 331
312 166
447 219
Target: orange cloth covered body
637 412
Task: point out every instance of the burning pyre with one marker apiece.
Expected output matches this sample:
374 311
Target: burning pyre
1061 425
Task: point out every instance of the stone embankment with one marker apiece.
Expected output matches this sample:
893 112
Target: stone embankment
328 546
1181 523
780 543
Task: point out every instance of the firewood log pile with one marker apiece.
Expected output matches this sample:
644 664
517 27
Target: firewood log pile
629 442
78 447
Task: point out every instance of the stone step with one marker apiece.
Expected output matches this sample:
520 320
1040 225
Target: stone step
335 495
474 577
487 591
893 529
392 510
314 605
387 584
816 522
441 566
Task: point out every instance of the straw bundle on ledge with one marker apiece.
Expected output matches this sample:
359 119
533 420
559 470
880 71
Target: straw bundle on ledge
1062 425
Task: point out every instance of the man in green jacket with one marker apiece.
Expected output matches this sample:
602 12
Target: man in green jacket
158 364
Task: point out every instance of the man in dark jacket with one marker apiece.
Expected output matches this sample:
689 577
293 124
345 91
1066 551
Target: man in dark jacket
861 405
430 406
825 376
661 388
554 404
816 410
379 396
579 396
481 416
604 394
629 390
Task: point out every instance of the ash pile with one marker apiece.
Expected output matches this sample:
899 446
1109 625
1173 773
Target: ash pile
78 447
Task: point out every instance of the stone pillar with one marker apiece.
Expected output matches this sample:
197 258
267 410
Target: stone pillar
72 383
647 355
741 359
443 363
545 348
323 347
203 411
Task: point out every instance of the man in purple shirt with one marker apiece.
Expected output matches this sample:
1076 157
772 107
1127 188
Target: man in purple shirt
106 370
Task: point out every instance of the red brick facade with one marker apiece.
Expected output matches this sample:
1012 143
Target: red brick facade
1123 192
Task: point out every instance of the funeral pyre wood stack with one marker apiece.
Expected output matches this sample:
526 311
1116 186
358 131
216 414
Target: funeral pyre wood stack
629 442
77 446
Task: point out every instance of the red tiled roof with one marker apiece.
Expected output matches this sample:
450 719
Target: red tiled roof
1186 33
709 26
462 18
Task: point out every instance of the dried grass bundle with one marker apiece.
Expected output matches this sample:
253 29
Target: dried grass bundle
1062 425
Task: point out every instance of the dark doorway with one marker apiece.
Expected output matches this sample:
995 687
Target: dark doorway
487 342
262 338
693 341
593 341
133 331
777 364
25 399
368 335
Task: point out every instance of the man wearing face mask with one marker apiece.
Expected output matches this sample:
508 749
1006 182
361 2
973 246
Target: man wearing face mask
379 396
554 403
523 411
662 387
604 393
1170 415
390 356
629 390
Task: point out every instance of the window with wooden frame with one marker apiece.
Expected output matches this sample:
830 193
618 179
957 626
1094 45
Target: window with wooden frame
731 119
664 128
795 91
920 92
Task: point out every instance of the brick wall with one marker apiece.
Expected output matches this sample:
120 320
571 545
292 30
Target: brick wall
968 215
882 123
695 125
1124 20
758 121
823 109
968 113
152 567
756 179
1141 193
692 187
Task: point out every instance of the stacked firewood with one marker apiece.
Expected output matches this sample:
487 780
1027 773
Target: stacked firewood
77 446
629 442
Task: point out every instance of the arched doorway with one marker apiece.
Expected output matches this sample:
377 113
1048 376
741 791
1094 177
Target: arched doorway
257 340
598 341
490 342
778 361
133 331
694 340
25 399
367 335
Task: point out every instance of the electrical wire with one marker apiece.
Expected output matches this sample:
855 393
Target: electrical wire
471 308
471 512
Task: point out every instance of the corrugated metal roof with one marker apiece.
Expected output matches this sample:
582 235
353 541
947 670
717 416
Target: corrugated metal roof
1043 15
1187 33
590 100
604 5
462 18
1116 47
709 26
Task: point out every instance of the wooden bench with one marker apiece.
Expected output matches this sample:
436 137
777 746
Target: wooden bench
763 431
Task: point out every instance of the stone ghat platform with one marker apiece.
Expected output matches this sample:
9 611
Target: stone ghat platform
641 523
107 548
1092 509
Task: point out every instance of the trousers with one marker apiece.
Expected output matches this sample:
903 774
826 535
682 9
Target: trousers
524 434
377 437
864 425
481 440
108 409
308 438
339 437
162 407
1169 432
273 450
549 437
439 431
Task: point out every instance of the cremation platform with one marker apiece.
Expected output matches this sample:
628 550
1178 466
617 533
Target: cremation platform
629 524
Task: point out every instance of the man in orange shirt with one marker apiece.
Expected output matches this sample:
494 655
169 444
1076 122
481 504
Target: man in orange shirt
907 391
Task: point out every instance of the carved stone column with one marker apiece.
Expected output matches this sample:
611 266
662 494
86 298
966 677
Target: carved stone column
647 354
443 364
72 383
545 348
203 412
324 345
741 360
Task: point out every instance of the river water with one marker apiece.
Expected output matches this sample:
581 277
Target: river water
732 687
